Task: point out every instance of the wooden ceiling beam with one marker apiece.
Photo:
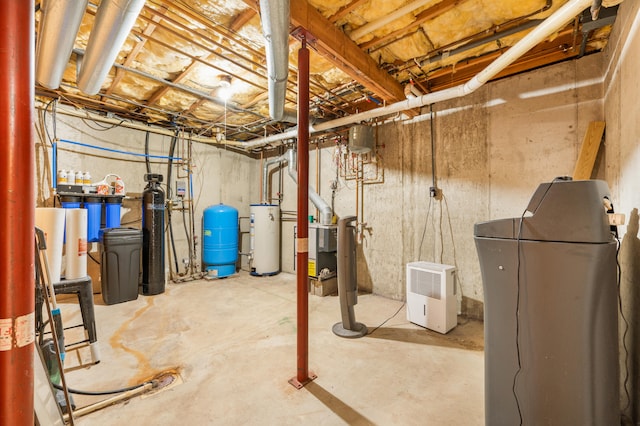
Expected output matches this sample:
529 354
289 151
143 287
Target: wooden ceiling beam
422 17
344 53
345 10
242 18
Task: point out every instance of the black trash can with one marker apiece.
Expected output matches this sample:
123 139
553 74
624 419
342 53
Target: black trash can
120 264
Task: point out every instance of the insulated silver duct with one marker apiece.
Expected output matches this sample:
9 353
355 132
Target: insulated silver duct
114 20
326 214
59 26
289 157
265 175
274 16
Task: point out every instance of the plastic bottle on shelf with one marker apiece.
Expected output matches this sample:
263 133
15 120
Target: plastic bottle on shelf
62 176
78 179
86 178
119 186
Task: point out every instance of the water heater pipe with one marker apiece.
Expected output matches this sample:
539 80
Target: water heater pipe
326 214
265 174
17 242
553 23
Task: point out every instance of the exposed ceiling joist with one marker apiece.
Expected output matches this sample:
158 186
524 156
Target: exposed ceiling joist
340 50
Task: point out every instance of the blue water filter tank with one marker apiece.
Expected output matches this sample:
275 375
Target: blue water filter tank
94 217
220 240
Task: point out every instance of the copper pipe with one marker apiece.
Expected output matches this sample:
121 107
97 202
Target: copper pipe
302 246
17 248
317 175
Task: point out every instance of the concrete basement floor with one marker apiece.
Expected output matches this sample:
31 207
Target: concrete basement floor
233 344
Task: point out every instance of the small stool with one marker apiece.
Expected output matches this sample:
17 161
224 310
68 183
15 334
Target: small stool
83 288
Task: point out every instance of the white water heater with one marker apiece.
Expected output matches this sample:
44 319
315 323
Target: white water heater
265 239
431 297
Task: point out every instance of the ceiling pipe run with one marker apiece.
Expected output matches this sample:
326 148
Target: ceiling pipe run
274 15
547 27
379 23
114 19
58 29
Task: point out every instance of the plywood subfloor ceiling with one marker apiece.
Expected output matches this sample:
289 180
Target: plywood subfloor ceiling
170 66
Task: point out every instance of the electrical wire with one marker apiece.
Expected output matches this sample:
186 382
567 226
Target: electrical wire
626 328
93 258
424 230
517 312
518 357
101 128
388 319
453 245
118 151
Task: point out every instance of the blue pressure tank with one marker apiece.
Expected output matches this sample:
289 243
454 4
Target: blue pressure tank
220 240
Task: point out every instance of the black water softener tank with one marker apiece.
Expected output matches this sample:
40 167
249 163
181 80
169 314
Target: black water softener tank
152 235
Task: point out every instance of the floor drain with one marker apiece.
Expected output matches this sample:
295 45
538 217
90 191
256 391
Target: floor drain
164 381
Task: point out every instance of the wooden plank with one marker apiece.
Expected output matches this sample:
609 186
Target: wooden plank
344 53
589 150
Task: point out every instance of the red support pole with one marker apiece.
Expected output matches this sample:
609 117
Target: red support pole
302 266
17 159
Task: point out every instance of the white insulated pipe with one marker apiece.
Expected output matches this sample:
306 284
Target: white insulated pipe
114 19
59 26
379 23
547 27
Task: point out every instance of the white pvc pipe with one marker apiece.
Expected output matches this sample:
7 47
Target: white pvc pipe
379 23
547 27
113 21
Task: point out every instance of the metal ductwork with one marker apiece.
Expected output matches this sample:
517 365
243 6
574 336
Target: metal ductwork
274 16
59 26
265 175
326 214
114 20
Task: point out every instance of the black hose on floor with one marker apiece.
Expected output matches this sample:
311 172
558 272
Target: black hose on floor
154 384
